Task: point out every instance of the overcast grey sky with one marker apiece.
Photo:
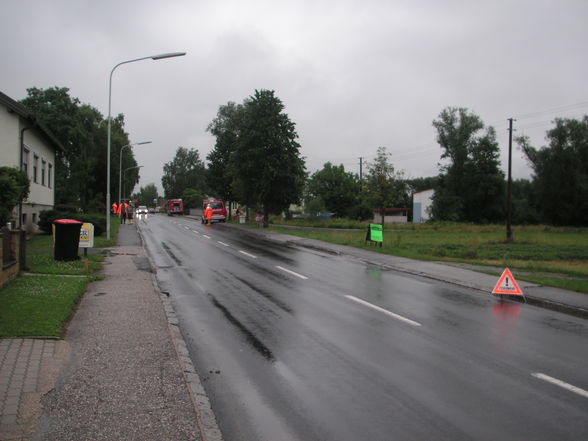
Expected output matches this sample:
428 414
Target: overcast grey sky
353 74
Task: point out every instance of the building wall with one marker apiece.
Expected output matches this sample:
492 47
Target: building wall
421 205
9 134
40 153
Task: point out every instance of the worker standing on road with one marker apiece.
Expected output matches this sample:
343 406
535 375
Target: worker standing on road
208 214
114 208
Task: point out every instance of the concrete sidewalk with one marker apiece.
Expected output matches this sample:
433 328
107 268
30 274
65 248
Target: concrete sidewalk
122 372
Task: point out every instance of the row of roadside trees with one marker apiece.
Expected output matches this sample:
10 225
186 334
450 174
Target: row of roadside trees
256 161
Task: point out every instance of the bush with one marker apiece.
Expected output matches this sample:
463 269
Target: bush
47 217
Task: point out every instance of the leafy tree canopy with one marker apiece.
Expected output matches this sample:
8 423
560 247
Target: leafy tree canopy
186 170
267 168
470 187
146 195
385 186
80 171
560 172
226 129
14 188
337 189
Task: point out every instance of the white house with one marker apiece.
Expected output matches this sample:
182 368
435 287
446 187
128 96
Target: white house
26 144
422 202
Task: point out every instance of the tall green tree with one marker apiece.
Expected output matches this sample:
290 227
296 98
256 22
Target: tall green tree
470 187
80 170
146 195
225 128
385 187
267 167
186 170
560 172
337 189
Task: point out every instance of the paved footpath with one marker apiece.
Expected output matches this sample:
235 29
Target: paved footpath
122 373
28 370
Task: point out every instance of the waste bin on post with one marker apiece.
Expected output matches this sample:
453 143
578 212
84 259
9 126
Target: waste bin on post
66 239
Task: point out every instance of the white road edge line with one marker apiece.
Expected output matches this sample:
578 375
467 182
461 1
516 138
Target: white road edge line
247 254
385 311
204 235
291 272
224 244
560 383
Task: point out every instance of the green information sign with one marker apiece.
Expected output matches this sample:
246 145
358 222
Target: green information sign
375 234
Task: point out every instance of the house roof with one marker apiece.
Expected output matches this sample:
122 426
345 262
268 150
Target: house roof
23 112
392 210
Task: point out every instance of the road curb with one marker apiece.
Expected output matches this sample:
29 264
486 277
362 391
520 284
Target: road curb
208 426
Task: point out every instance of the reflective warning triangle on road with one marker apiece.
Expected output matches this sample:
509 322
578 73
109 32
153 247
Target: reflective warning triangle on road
507 285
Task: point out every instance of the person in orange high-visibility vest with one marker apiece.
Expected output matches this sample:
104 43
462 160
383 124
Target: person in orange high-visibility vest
114 208
208 214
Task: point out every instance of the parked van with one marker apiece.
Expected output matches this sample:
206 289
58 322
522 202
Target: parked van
219 212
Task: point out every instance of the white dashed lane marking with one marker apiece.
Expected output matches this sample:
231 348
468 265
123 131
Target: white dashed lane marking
291 272
562 384
385 311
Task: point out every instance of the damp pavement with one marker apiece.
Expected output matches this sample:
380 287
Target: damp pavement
123 370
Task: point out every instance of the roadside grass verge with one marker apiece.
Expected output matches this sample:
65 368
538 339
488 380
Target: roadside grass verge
39 306
42 302
551 256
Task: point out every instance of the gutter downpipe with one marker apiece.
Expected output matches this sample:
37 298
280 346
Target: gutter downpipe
20 168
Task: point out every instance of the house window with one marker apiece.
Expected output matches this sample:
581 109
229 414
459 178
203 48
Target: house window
35 167
34 218
43 167
49 174
25 161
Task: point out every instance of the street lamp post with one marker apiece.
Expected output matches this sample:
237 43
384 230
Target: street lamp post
120 164
153 57
126 170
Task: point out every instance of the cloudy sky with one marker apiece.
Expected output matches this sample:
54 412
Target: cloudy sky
353 74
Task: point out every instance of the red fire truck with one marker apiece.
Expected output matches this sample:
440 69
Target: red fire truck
174 206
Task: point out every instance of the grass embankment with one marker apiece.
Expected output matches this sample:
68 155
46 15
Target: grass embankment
40 303
551 256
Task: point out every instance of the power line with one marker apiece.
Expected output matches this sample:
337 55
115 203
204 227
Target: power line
554 110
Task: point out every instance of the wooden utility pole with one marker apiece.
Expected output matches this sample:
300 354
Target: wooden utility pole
360 173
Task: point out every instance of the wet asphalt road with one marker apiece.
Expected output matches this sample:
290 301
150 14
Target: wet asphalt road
298 345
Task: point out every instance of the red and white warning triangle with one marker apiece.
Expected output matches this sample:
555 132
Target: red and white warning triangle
507 285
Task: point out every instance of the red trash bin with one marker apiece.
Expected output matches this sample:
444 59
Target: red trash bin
67 239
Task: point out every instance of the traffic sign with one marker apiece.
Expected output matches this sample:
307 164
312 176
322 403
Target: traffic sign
507 285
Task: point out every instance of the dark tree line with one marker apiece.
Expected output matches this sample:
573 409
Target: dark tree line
256 161
80 170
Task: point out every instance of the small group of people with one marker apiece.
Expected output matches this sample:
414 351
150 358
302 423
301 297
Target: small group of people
125 212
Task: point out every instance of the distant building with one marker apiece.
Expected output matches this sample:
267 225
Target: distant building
27 145
392 215
422 203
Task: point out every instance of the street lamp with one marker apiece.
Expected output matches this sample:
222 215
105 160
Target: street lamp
153 57
120 164
126 170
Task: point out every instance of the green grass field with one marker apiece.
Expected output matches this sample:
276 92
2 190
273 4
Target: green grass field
547 255
40 304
